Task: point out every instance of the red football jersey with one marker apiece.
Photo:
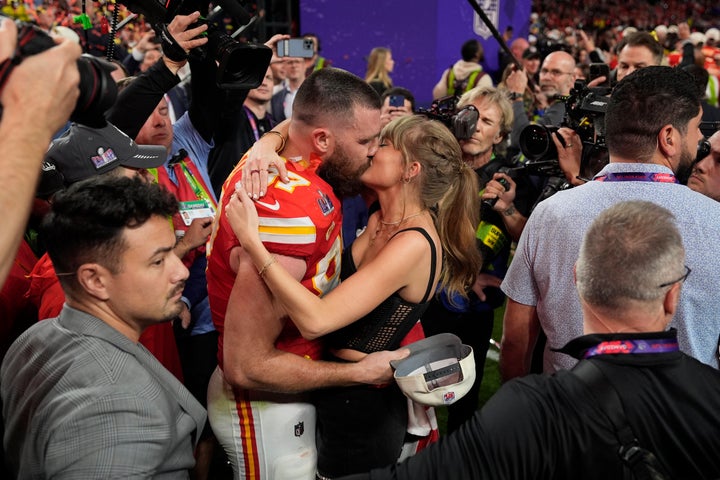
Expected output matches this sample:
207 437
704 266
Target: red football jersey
302 219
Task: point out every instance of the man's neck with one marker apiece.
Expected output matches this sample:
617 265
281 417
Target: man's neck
294 83
657 159
477 161
259 109
101 311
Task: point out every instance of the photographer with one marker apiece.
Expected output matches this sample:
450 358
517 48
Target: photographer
557 77
37 97
504 213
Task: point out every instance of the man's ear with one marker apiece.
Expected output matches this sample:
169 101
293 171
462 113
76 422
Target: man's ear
93 279
667 141
322 140
672 298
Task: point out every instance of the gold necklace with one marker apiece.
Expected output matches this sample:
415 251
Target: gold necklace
399 222
393 224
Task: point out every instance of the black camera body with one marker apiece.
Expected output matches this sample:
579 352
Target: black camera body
98 90
585 114
240 65
461 123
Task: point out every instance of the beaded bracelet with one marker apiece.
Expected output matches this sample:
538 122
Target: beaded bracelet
282 139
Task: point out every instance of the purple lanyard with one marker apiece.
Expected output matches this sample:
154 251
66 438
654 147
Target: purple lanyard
253 125
625 347
638 177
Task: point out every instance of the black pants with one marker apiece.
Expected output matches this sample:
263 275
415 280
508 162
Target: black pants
359 428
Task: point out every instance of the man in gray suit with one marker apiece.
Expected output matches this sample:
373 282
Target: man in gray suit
81 397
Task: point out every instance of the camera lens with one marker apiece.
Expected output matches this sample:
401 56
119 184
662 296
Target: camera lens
536 144
98 91
97 87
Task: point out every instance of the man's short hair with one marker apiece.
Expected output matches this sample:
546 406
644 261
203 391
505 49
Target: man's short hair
330 95
87 221
643 39
629 251
645 101
492 95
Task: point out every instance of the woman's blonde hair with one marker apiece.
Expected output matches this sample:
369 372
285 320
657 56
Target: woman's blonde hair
449 189
376 66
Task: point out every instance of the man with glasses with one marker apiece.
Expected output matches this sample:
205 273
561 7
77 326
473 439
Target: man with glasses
557 77
652 122
629 277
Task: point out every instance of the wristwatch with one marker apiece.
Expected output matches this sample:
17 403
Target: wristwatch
515 96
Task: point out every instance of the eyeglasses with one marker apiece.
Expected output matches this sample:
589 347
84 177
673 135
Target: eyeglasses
553 72
681 279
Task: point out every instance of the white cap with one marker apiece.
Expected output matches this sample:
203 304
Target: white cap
712 34
697 38
439 370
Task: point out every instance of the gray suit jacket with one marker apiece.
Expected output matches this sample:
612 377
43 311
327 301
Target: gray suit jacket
80 400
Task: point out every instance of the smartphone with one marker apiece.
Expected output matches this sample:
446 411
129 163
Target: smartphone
397 101
296 47
600 70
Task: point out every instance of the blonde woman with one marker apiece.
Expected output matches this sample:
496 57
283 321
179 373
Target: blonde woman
422 235
380 66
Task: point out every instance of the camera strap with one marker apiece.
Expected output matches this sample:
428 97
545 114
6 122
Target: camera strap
25 35
639 463
6 68
170 47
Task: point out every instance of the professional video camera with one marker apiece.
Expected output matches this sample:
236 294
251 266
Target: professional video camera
97 88
461 123
585 114
240 65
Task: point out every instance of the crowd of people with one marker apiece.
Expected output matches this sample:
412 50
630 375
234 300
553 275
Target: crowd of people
208 281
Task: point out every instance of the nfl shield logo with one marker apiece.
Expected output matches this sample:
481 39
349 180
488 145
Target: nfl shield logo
299 429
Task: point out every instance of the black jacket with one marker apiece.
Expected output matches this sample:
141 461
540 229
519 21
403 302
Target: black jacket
551 427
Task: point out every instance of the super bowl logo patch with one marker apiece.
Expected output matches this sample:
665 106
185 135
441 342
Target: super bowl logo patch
104 157
299 429
326 205
448 397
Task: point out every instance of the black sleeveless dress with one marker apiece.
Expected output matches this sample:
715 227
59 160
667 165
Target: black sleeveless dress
363 427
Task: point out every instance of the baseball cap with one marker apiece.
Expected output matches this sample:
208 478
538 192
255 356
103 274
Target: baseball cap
439 370
83 152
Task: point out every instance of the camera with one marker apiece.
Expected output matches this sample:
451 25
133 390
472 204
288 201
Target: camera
240 65
97 87
585 114
461 123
